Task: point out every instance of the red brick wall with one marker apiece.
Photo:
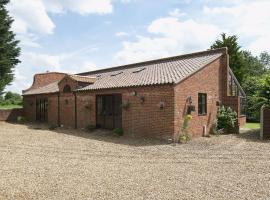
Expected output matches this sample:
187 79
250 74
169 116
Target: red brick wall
140 119
10 114
86 109
46 78
53 109
209 81
242 121
67 110
29 107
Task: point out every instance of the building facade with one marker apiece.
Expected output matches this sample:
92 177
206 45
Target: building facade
149 99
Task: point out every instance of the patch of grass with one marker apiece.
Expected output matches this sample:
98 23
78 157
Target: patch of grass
252 125
10 106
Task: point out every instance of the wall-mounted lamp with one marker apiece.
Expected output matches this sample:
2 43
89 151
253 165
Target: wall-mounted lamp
142 99
134 93
161 105
189 100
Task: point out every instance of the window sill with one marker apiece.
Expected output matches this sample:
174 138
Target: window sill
202 114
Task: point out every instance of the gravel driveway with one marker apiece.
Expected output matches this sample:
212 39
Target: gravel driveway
66 164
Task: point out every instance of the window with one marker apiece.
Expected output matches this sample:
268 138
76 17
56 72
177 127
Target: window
67 89
117 73
243 105
138 70
202 103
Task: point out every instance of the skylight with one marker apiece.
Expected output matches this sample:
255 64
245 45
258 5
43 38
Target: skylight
117 73
138 70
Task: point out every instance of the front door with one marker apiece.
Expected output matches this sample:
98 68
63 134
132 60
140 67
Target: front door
42 109
109 112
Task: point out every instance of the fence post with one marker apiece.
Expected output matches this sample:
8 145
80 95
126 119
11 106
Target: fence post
261 122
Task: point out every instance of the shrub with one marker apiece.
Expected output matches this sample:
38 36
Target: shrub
226 119
53 126
118 132
90 127
21 119
184 136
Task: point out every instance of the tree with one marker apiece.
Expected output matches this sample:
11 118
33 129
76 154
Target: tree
254 66
235 56
9 50
265 59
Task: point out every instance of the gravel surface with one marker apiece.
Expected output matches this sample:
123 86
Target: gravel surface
65 164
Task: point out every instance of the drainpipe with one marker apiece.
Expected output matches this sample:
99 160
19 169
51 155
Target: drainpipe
75 109
58 109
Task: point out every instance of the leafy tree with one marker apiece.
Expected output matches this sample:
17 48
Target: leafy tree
9 50
264 93
251 85
11 98
265 59
254 66
235 56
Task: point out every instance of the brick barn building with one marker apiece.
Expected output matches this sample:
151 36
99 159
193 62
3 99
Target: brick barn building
145 99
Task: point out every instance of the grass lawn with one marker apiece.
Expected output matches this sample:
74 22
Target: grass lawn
9 106
252 125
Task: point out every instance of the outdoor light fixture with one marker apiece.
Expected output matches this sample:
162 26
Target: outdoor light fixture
161 105
134 93
189 100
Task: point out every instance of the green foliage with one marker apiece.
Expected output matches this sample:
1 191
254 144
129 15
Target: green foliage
9 50
10 99
254 66
118 132
53 126
21 119
235 55
226 119
184 136
265 59
90 127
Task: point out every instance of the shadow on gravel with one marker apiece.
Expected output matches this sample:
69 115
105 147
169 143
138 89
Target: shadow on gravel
99 135
251 135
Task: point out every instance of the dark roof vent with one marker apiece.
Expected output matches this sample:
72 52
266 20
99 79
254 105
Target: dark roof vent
138 70
117 73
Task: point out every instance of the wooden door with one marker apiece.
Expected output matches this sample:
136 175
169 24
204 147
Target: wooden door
109 112
42 109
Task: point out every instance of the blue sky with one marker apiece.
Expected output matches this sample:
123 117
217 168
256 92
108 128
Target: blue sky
82 35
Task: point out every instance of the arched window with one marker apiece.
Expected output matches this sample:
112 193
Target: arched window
67 89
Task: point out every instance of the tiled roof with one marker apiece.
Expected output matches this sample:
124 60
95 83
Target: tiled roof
50 88
84 79
53 87
156 72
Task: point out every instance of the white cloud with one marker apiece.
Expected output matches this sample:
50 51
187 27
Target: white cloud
249 20
120 34
30 15
125 1
170 36
177 13
82 7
